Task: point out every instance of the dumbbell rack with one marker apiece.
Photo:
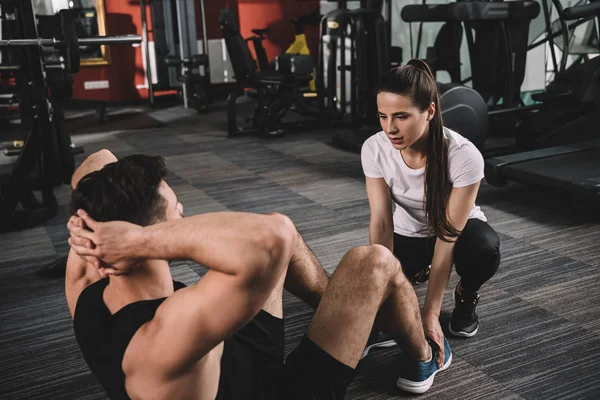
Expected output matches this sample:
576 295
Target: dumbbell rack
46 158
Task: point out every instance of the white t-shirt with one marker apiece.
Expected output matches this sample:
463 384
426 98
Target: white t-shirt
407 186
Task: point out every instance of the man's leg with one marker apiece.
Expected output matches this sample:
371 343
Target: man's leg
274 304
367 284
366 280
306 278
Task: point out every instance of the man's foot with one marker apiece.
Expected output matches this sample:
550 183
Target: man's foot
417 376
464 322
378 339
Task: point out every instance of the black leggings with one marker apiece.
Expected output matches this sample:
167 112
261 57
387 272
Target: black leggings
476 254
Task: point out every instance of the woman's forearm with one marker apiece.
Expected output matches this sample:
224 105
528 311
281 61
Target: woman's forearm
382 233
439 275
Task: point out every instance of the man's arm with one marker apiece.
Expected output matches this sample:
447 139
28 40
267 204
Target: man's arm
225 242
79 273
246 254
381 226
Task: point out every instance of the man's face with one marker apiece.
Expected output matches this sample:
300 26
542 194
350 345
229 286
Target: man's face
174 209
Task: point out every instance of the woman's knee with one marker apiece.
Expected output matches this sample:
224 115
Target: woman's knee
478 236
478 245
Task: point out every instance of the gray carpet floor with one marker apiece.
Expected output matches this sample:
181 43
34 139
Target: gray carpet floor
540 314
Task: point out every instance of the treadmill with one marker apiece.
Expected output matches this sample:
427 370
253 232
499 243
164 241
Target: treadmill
573 168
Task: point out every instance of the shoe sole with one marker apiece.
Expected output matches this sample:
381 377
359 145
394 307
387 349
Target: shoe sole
462 333
421 387
387 343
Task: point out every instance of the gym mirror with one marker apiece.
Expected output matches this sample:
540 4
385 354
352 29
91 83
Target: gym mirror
90 17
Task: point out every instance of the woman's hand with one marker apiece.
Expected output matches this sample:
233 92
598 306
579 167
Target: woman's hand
110 246
433 331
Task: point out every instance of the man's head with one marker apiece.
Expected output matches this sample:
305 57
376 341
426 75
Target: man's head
132 189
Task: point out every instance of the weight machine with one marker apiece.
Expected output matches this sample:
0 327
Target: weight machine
179 64
46 159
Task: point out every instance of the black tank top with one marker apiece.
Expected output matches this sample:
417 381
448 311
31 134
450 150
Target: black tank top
104 337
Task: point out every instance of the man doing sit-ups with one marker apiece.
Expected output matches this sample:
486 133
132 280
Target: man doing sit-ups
145 336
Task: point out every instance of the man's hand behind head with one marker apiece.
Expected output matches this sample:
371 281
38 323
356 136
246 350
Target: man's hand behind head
110 246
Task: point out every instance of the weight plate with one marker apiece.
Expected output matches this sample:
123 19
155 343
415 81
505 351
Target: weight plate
70 42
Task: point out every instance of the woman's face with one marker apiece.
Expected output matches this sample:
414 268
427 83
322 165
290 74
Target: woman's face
401 120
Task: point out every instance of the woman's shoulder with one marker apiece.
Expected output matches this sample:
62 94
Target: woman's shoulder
375 141
461 150
457 142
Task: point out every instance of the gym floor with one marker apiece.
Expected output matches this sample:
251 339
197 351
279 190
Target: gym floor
540 314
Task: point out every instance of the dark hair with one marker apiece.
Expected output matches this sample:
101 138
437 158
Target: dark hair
417 81
126 190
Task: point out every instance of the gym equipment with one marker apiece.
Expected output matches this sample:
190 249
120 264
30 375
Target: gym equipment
464 111
565 111
60 84
296 59
299 46
497 52
565 27
271 92
178 63
46 158
352 60
68 43
354 55
145 43
394 53
47 66
573 168
196 84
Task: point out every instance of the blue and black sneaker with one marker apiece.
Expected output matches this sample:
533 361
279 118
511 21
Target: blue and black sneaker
417 376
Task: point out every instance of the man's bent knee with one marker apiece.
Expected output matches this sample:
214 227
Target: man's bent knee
280 237
383 261
375 260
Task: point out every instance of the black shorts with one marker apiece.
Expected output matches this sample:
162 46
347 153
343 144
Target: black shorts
253 367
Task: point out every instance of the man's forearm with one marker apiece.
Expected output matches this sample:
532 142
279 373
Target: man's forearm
226 242
441 266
